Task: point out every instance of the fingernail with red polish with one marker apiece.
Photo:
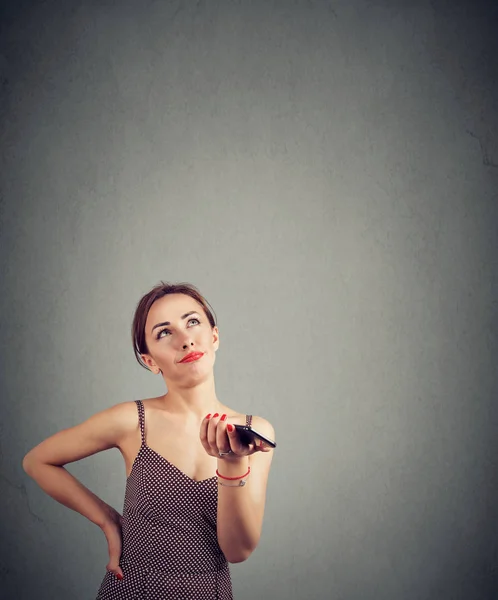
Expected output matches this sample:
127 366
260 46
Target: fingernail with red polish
223 417
208 416
230 427
215 415
119 576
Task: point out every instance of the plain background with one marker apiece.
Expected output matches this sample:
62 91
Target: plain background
326 173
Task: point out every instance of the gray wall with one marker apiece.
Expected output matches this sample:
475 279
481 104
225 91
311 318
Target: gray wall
326 174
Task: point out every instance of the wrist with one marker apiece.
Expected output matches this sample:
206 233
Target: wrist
108 518
233 466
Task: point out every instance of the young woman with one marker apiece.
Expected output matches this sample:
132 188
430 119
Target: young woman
195 493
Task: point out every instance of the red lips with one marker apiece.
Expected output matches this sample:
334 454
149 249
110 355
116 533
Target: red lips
191 356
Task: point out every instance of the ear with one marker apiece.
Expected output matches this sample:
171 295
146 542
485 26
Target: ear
216 338
149 361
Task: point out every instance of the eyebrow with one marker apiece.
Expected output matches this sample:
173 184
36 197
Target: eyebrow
192 312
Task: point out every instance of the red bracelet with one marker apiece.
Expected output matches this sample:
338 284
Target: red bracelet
234 478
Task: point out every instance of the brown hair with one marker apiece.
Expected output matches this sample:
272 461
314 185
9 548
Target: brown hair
143 307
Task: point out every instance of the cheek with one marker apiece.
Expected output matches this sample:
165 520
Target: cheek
163 350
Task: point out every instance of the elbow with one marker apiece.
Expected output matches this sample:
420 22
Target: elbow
31 464
238 544
239 555
28 463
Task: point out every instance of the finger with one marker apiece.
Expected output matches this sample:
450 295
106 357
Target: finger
203 432
113 567
211 434
222 443
262 447
114 544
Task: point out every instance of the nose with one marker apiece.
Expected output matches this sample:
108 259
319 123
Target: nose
185 346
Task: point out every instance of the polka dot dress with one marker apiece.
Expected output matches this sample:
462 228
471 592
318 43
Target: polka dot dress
170 546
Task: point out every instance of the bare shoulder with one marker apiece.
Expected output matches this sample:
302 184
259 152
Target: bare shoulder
263 426
124 416
119 419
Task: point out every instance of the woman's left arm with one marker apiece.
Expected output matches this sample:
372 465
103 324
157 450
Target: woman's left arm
240 508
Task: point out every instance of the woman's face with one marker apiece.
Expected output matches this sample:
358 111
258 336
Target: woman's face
177 325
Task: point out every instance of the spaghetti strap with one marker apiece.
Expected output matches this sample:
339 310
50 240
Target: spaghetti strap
141 419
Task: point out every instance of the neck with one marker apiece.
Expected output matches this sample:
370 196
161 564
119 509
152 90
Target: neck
198 400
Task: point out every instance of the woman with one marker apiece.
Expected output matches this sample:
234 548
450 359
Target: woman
195 494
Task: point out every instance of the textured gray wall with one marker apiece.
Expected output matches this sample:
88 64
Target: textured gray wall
326 173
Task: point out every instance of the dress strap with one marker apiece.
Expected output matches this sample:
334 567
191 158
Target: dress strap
248 420
141 419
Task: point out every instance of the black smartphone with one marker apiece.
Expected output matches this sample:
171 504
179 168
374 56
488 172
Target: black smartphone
248 435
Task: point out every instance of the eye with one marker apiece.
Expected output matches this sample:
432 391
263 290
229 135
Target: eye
160 333
167 331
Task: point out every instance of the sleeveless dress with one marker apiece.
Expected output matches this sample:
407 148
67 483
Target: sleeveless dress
170 545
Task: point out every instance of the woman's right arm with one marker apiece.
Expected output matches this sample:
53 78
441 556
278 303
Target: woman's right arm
45 462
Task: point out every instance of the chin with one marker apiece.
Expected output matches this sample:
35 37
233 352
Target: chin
198 370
